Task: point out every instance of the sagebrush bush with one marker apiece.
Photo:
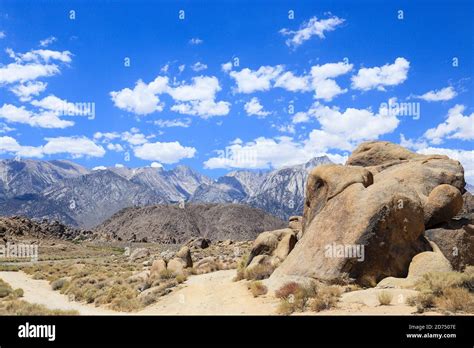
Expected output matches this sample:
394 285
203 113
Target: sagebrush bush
257 288
384 298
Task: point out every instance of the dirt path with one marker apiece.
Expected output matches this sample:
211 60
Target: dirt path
213 294
206 294
40 292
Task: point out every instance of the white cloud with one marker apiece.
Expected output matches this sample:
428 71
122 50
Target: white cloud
379 77
29 89
44 119
311 28
254 108
134 138
9 145
198 66
156 165
456 126
16 72
2 35
322 79
203 108
106 136
167 153
56 104
99 168
115 147
143 99
201 88
443 94
226 67
184 122
181 68
249 81
198 98
48 41
466 157
293 83
40 55
300 117
195 41
75 146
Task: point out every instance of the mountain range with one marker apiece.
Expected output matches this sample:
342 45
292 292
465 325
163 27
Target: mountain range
77 196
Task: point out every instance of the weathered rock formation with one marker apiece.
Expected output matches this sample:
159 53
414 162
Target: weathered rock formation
365 221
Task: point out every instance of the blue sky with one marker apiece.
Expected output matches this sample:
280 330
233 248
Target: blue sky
234 84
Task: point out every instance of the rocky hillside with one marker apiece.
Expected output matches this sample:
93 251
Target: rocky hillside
175 224
17 227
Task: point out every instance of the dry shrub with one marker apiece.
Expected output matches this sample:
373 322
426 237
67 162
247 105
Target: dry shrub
384 298
257 288
295 297
456 300
259 272
437 282
326 298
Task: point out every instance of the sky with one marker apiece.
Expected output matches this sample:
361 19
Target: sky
225 85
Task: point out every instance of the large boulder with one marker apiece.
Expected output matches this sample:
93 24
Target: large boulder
456 241
185 255
423 263
365 221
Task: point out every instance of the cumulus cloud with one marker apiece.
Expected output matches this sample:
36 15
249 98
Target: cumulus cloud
226 67
456 126
182 122
198 66
43 119
293 83
254 108
198 98
16 72
443 94
322 79
249 81
29 89
143 98
48 41
168 153
75 146
380 77
341 130
2 35
30 66
313 27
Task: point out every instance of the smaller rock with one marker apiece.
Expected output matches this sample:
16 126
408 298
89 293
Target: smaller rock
139 253
185 254
157 267
176 265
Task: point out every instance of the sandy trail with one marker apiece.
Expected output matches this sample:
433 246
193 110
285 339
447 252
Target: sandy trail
40 292
213 294
207 294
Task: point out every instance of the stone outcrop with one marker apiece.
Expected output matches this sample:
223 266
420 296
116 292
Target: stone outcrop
365 221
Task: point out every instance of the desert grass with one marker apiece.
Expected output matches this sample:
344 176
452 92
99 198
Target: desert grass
384 298
450 292
257 288
297 298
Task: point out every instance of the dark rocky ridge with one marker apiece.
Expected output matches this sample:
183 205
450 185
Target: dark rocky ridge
172 224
